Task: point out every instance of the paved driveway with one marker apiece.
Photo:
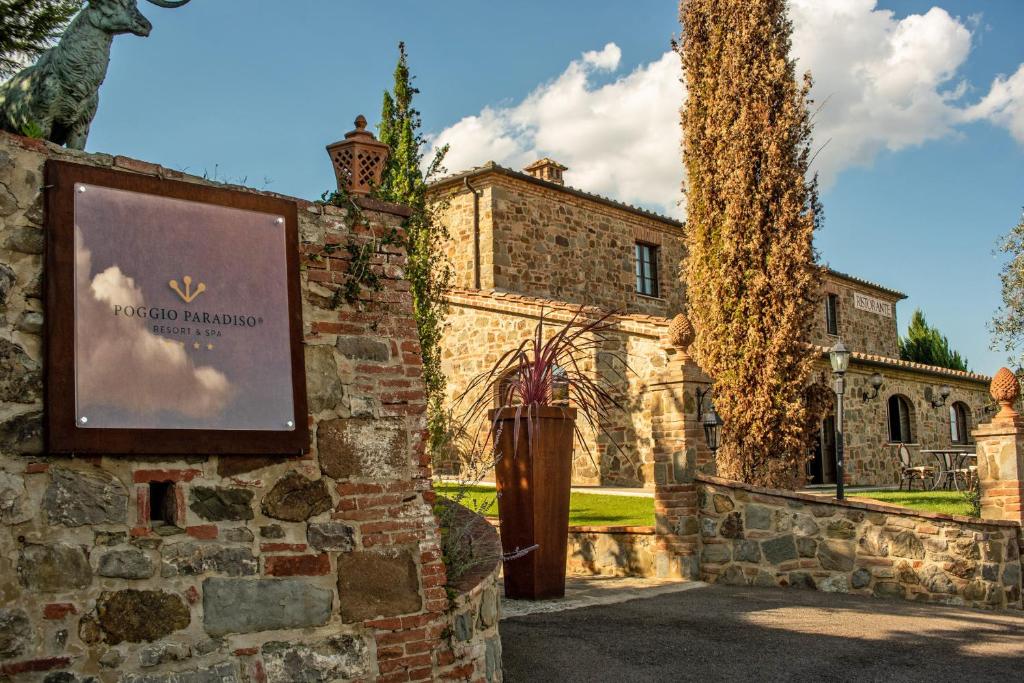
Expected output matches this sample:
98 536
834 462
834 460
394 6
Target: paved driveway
746 634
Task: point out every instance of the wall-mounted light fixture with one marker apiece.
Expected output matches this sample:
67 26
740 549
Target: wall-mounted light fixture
876 383
710 420
712 423
944 392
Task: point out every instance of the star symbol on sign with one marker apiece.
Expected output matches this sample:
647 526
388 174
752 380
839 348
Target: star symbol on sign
209 347
195 345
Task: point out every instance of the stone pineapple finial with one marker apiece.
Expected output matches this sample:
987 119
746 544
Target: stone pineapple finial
680 333
1005 389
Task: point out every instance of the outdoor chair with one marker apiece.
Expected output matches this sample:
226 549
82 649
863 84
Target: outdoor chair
966 474
909 472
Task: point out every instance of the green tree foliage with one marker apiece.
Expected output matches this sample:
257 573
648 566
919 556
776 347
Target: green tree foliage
751 275
925 344
1008 325
405 181
29 27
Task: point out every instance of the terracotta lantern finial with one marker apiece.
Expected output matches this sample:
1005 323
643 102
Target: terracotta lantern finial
1005 389
358 160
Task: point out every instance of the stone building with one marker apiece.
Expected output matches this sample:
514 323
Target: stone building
524 244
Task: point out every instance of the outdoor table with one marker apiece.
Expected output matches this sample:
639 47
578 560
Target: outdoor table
947 459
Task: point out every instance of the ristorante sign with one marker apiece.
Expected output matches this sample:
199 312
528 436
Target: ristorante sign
174 317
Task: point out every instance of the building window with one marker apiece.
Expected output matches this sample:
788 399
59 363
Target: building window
959 426
646 269
900 419
831 317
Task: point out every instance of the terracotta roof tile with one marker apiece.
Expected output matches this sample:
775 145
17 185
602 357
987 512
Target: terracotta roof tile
909 365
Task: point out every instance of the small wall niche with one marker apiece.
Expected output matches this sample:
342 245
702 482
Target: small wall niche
163 506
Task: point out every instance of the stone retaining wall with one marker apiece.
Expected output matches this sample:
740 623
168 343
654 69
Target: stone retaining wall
612 551
317 567
756 536
473 619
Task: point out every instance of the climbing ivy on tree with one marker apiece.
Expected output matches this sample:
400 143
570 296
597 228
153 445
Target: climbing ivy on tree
405 182
751 276
29 27
925 344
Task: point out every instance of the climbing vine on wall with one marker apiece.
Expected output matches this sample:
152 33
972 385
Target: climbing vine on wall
361 275
429 272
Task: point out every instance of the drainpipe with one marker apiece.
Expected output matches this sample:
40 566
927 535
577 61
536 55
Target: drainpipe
476 233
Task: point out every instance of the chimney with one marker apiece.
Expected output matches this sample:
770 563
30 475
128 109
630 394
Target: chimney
547 169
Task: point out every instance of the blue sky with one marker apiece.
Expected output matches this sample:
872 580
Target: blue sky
921 167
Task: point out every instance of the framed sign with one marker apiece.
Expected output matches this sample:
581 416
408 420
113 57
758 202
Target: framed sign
174 319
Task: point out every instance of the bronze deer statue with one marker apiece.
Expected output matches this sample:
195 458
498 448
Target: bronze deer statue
56 98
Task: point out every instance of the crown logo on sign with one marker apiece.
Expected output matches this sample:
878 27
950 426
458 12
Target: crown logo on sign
188 296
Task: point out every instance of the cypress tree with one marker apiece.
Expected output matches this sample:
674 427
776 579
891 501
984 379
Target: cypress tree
405 182
29 27
751 276
925 344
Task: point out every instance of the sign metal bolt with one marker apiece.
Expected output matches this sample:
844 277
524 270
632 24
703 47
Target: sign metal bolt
81 189
83 420
279 221
290 424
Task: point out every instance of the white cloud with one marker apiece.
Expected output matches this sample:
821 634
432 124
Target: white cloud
607 59
620 139
882 83
1004 104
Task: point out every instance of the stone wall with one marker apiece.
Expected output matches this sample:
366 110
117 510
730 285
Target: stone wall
317 567
473 627
612 551
860 330
539 239
761 537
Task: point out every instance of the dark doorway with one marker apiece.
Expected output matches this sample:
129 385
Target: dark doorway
823 466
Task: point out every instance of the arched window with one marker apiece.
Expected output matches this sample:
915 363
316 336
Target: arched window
900 420
959 422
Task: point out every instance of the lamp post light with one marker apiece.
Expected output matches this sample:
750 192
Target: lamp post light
712 423
839 356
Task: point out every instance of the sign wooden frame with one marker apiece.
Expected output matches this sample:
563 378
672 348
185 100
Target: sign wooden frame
62 433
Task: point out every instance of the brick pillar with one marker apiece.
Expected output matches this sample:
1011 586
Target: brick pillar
678 450
1000 446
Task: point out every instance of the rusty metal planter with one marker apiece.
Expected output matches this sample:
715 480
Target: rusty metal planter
533 476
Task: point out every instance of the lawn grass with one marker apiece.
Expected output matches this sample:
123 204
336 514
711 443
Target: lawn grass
947 502
585 509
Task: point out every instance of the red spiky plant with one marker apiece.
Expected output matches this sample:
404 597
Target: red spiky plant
526 377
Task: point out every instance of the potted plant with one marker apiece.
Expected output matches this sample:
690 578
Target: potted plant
539 389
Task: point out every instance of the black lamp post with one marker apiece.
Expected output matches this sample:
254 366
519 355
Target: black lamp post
839 356
712 422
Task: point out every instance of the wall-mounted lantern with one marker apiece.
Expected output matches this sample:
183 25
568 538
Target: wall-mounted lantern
712 423
944 393
710 420
876 383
